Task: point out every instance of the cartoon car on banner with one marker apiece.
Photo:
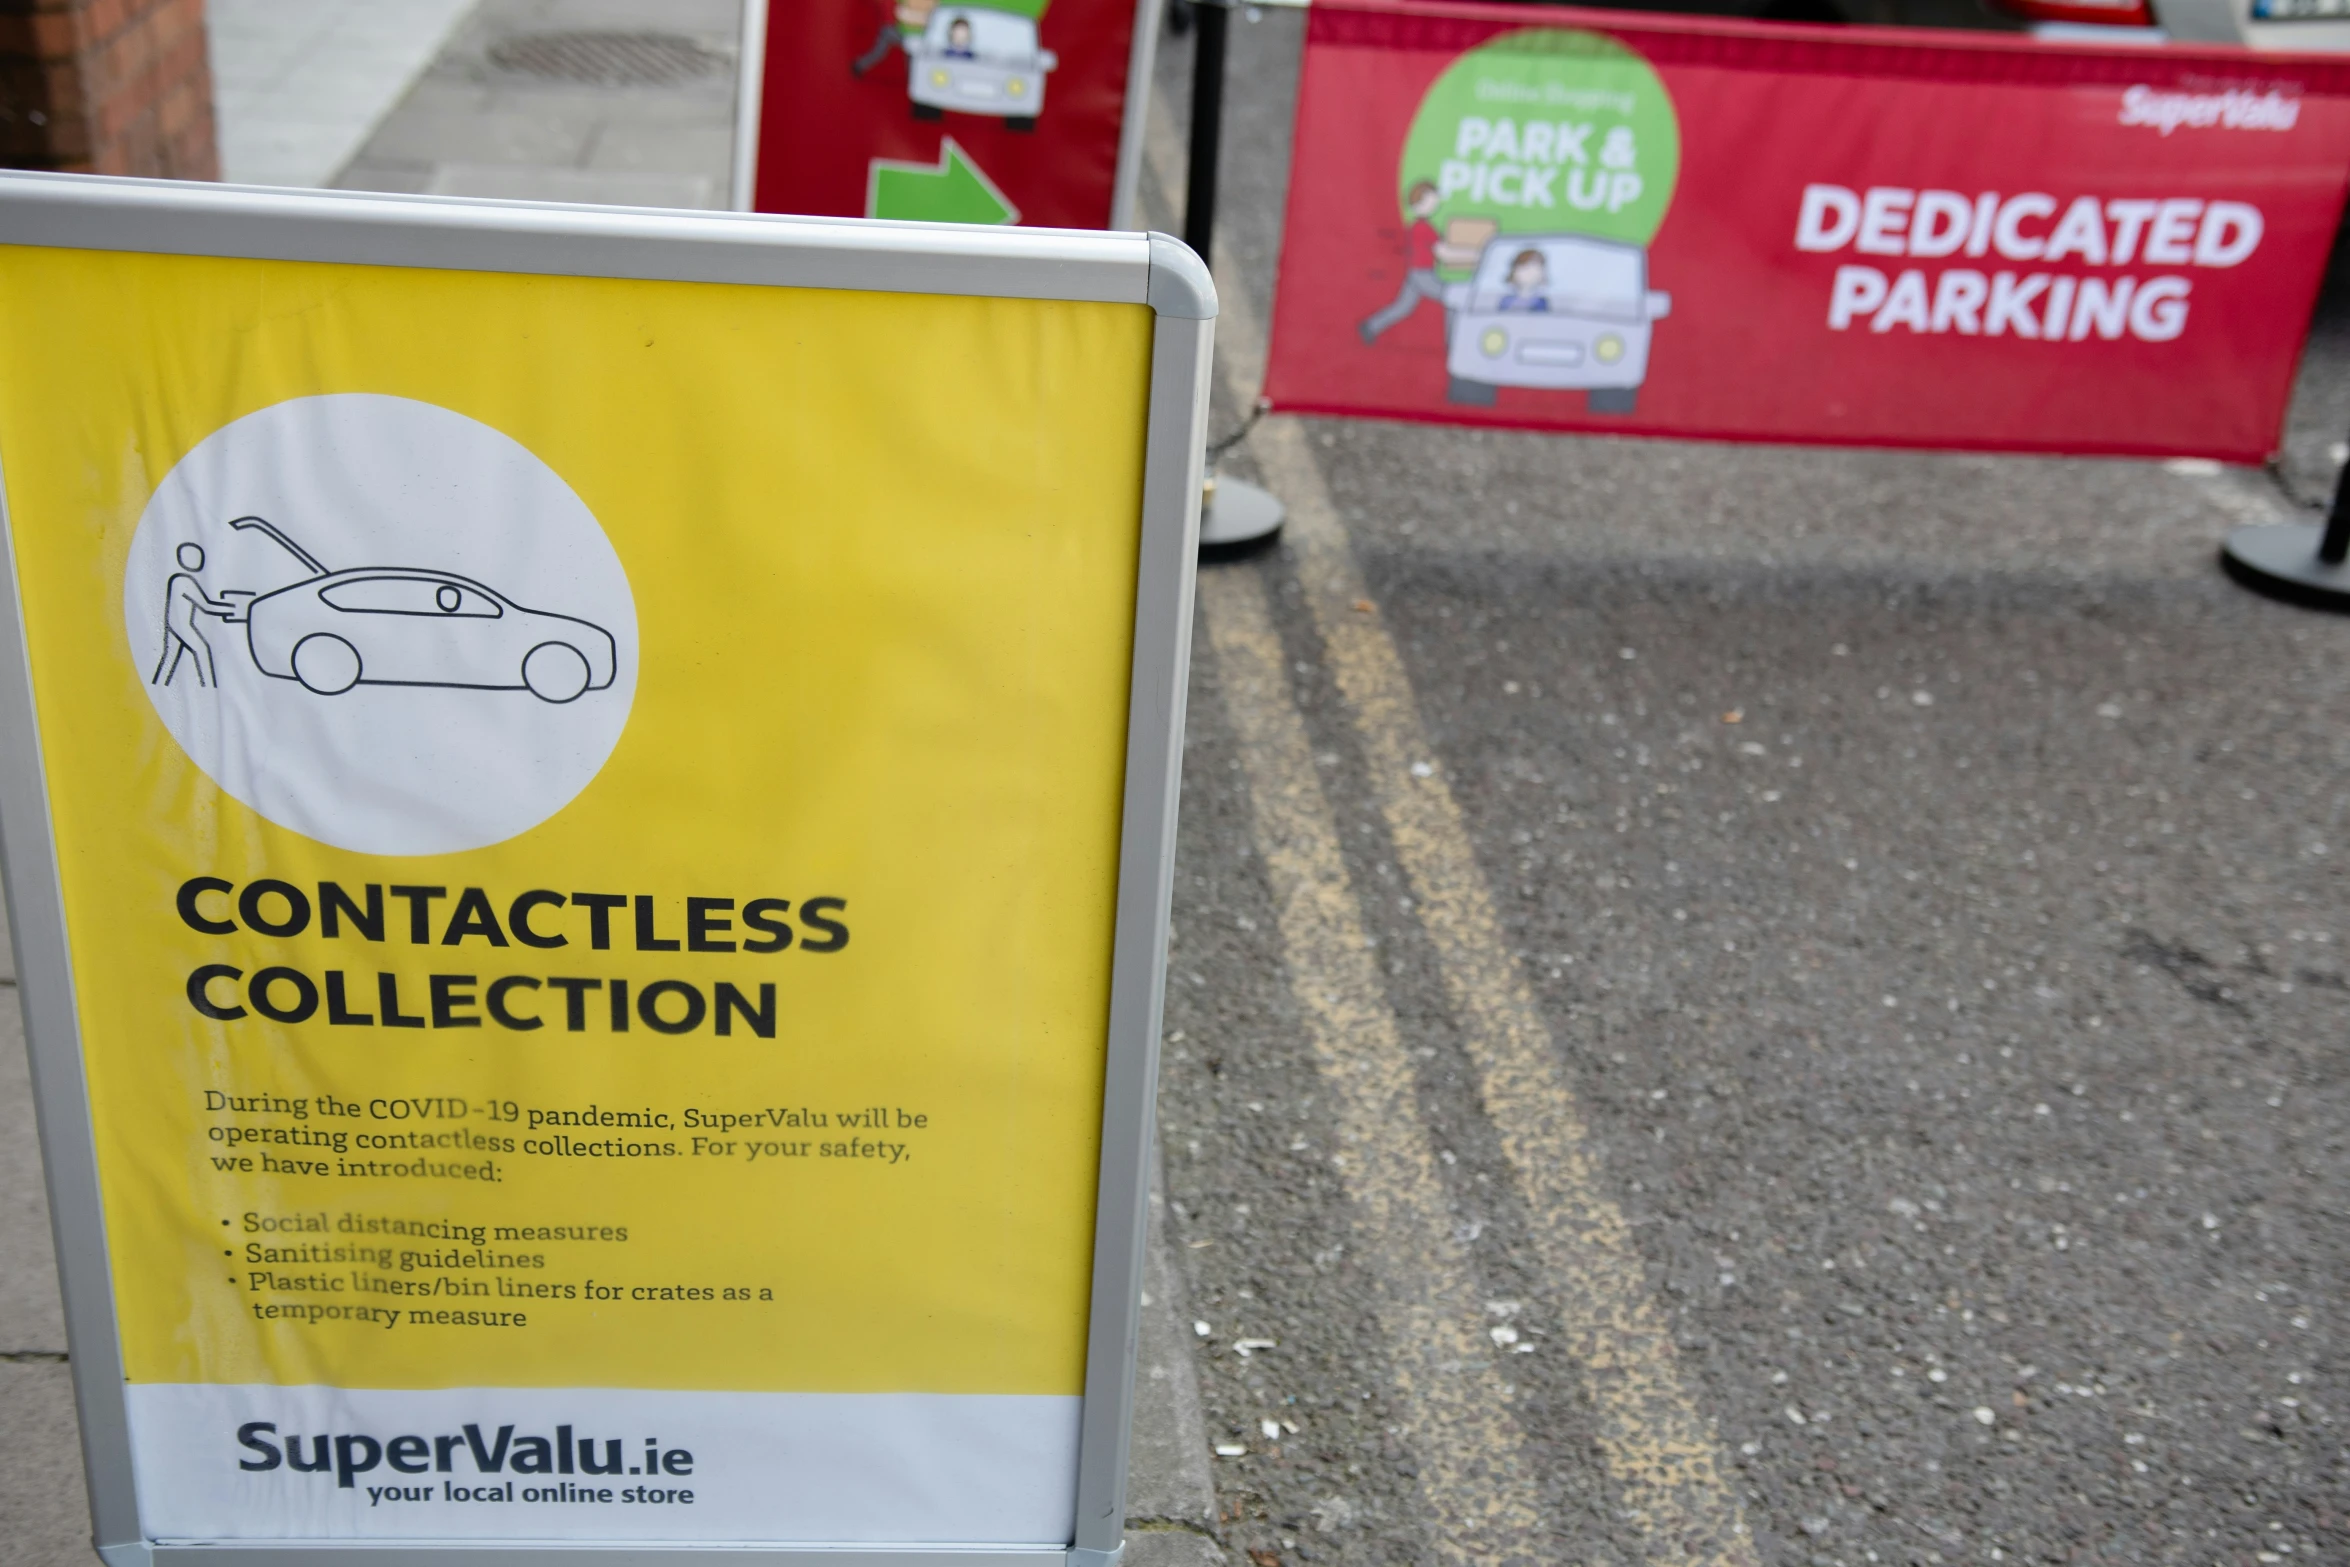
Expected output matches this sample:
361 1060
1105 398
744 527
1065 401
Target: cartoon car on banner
1559 312
974 60
411 626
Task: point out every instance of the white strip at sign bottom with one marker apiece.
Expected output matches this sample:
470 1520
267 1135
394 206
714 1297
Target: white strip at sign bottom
261 1462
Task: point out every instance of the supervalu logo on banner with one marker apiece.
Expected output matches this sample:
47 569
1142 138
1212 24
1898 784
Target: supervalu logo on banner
382 624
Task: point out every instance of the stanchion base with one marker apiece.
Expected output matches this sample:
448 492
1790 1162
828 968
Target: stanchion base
2280 560
1238 517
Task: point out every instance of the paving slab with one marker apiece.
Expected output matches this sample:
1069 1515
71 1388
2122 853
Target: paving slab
44 1518
44 1512
495 114
608 187
709 18
675 149
31 1319
424 131
299 84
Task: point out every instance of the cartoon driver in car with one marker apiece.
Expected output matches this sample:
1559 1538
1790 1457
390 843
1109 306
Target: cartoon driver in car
1528 283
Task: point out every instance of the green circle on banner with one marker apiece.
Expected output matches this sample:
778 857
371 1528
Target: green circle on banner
1549 130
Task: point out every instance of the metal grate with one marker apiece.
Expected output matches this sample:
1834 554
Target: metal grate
608 59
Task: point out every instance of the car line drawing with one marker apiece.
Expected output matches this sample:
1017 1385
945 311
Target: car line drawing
415 626
1586 327
974 60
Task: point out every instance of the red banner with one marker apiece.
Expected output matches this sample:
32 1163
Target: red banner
1585 220
1003 111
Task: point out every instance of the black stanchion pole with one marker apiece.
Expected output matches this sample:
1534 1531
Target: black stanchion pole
2300 561
1212 26
2334 547
1235 515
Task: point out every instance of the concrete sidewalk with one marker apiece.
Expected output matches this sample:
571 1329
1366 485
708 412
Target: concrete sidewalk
612 101
621 102
298 85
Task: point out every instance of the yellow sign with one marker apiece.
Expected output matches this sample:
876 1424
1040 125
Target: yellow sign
588 818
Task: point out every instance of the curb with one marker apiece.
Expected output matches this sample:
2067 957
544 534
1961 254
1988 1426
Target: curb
1170 1494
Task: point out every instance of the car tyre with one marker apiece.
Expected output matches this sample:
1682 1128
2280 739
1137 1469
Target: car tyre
1474 394
1612 399
1020 122
928 111
326 664
555 672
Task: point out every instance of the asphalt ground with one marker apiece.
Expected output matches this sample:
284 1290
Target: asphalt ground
1838 952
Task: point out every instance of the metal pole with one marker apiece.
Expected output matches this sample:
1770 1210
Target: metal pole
1211 19
2334 546
1235 516
2274 557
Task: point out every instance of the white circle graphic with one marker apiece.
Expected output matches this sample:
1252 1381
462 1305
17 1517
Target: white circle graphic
381 624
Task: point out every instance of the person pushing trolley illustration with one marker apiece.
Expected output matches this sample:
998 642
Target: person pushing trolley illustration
185 605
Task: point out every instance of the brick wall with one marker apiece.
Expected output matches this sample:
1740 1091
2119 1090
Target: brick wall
106 87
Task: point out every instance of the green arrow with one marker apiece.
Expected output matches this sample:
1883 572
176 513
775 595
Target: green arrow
952 190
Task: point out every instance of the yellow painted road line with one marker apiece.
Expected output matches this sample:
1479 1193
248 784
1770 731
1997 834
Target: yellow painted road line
1661 1452
1475 1479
